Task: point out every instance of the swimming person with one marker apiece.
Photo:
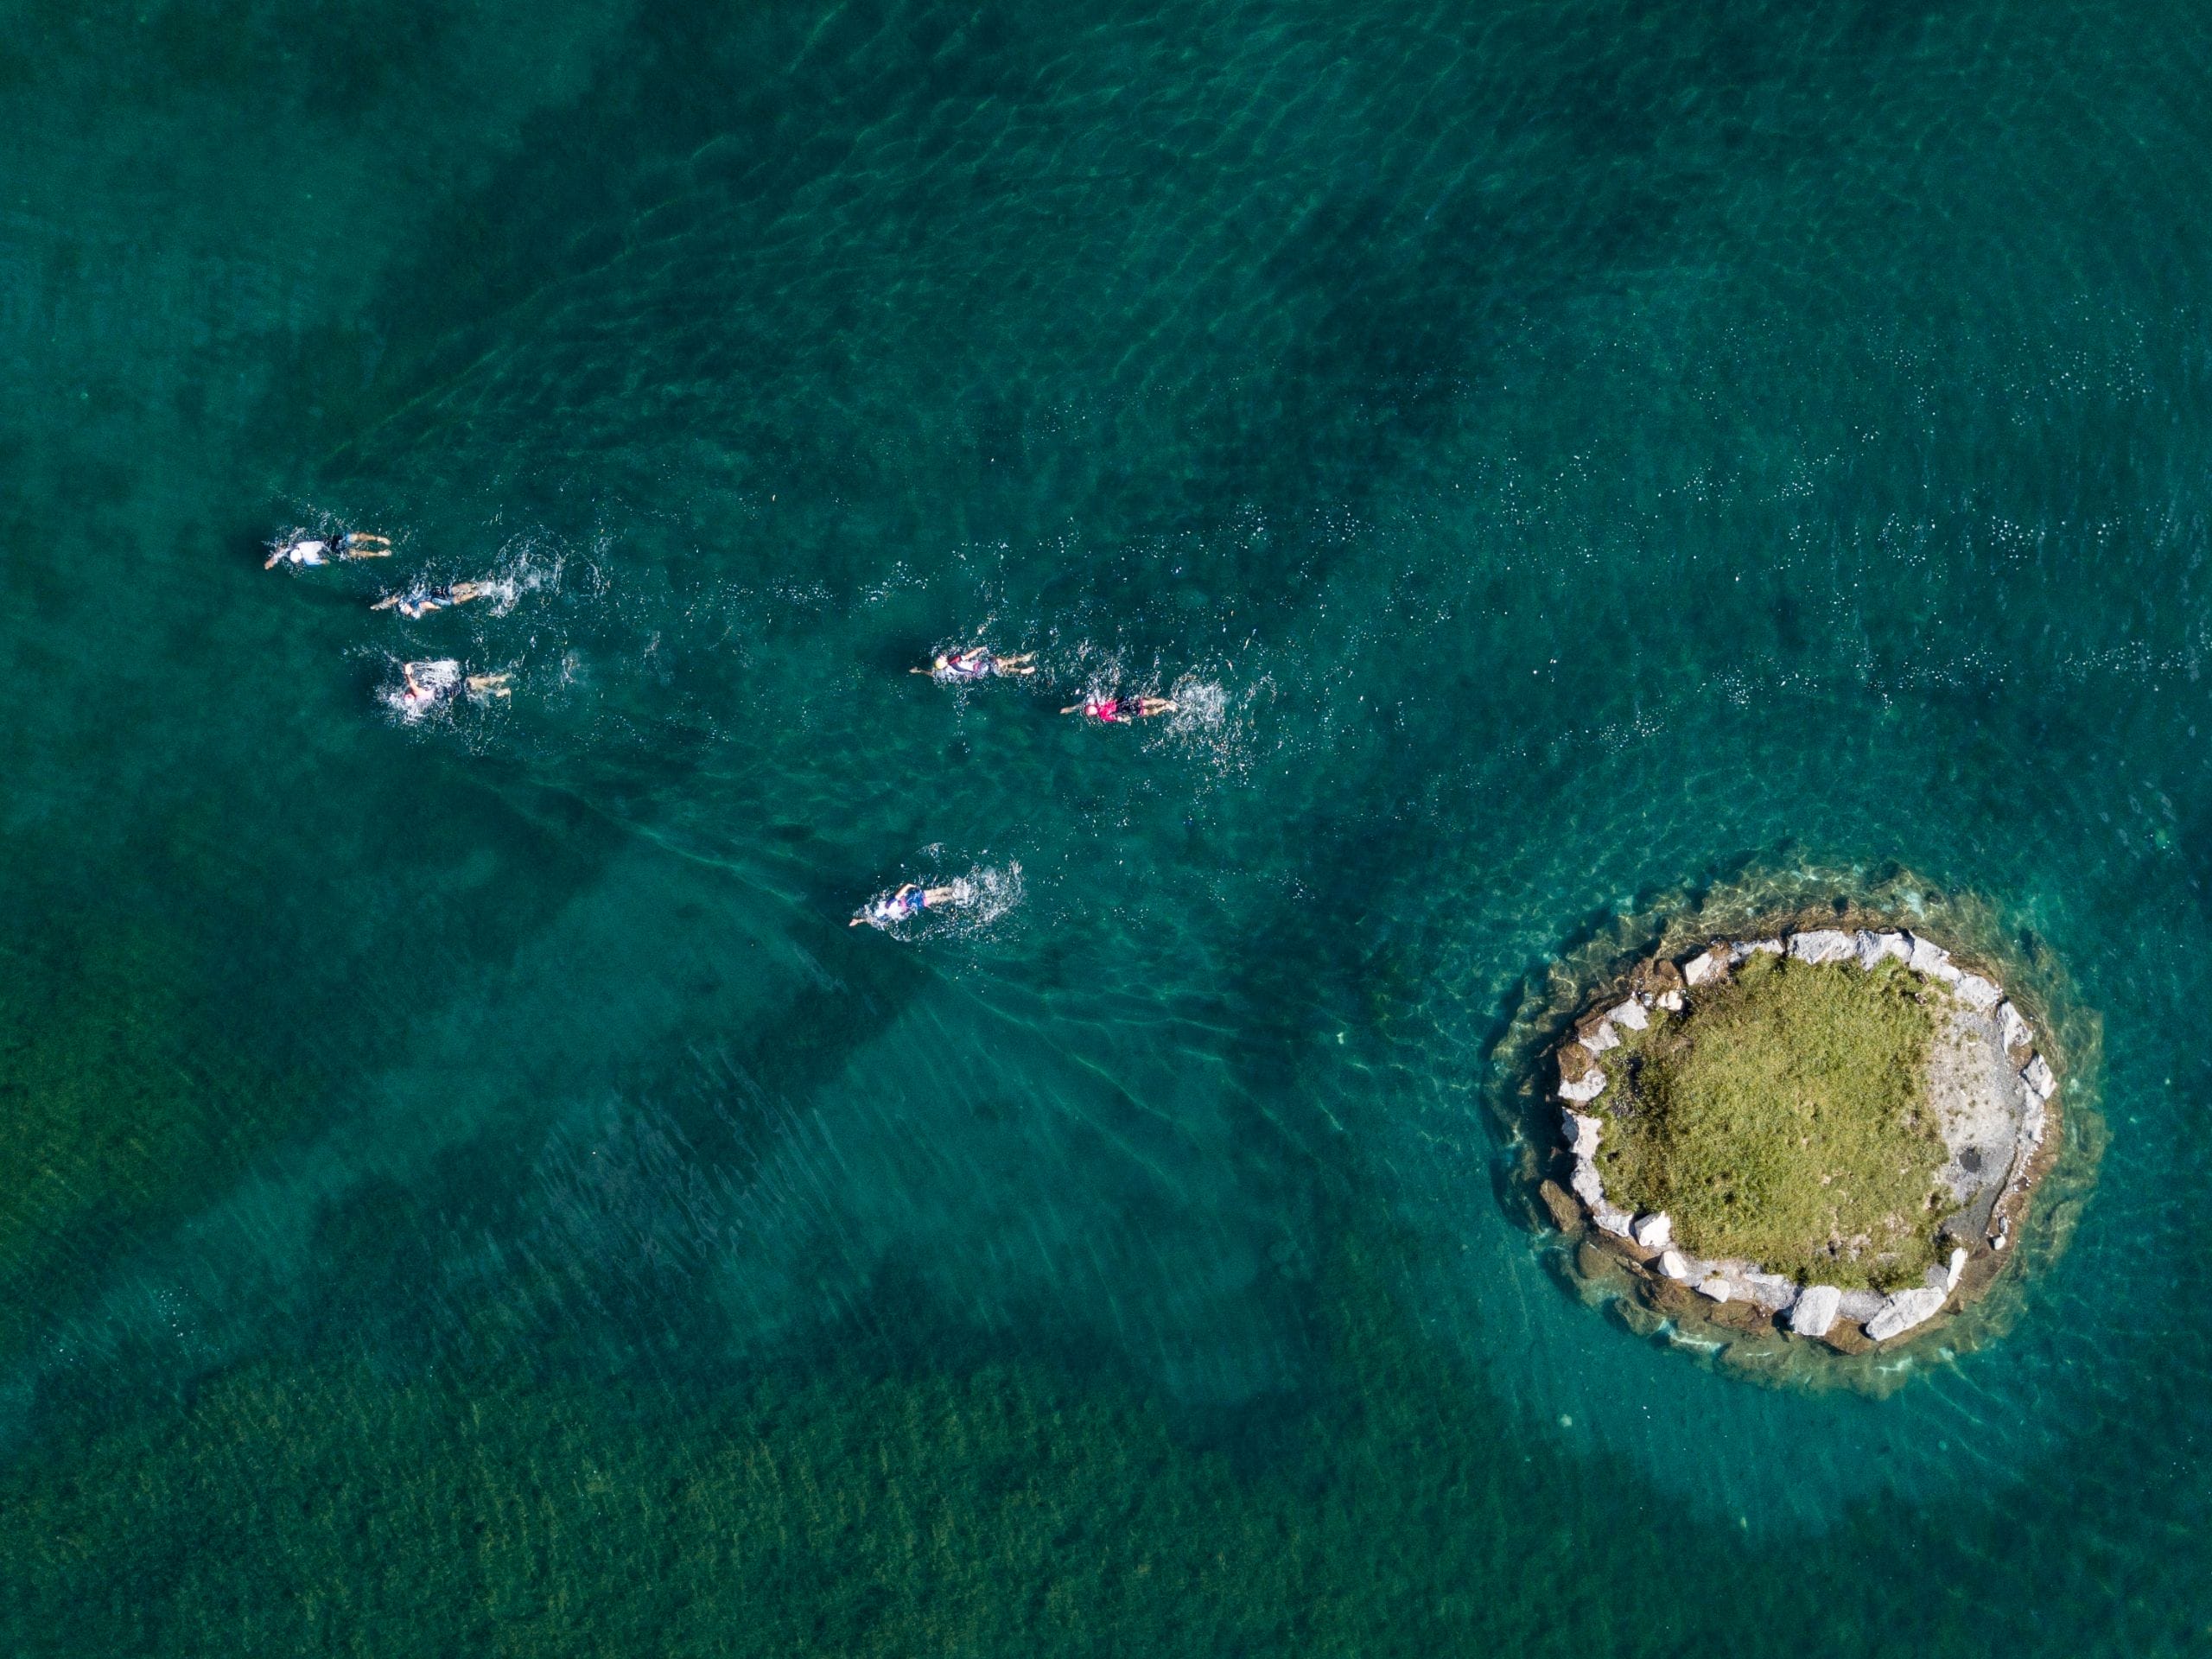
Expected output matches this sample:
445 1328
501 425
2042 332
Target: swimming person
425 686
303 548
420 601
1120 711
976 663
297 547
911 899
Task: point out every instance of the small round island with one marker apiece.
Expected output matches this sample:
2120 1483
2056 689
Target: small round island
1830 1134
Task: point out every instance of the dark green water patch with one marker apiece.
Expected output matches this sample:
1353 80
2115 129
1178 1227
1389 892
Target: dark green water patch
122 1104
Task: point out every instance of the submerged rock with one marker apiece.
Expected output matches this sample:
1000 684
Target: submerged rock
1815 1315
1565 1214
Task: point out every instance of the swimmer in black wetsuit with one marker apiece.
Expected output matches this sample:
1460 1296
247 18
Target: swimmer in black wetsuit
420 601
976 663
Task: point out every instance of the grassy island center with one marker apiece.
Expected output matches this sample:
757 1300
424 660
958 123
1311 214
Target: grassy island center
1783 1117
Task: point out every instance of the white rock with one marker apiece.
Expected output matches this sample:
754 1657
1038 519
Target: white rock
1860 1305
1653 1232
1587 1187
1769 1290
1822 945
1612 1221
1629 1014
1743 949
1932 961
1592 1085
1600 1037
1716 1289
1674 1265
1815 1313
2018 1033
1903 1310
1979 994
2036 1074
1707 964
1582 1134
1670 1001
1873 947
1958 1265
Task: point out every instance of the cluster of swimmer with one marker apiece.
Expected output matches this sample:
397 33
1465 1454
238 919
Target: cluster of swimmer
1812 1310
425 685
966 666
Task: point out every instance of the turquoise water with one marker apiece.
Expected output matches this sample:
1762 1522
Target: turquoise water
463 1188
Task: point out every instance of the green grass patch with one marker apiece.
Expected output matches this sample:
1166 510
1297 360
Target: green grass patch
1782 1117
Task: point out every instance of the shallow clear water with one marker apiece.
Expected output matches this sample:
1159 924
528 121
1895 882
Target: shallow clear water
464 1188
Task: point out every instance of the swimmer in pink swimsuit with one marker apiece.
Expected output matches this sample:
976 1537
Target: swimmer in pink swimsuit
1120 711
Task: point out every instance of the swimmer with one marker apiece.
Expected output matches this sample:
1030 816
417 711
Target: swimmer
977 663
911 899
420 601
1120 711
297 547
302 548
423 686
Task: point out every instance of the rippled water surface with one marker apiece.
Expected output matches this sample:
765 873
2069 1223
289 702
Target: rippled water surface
463 1186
